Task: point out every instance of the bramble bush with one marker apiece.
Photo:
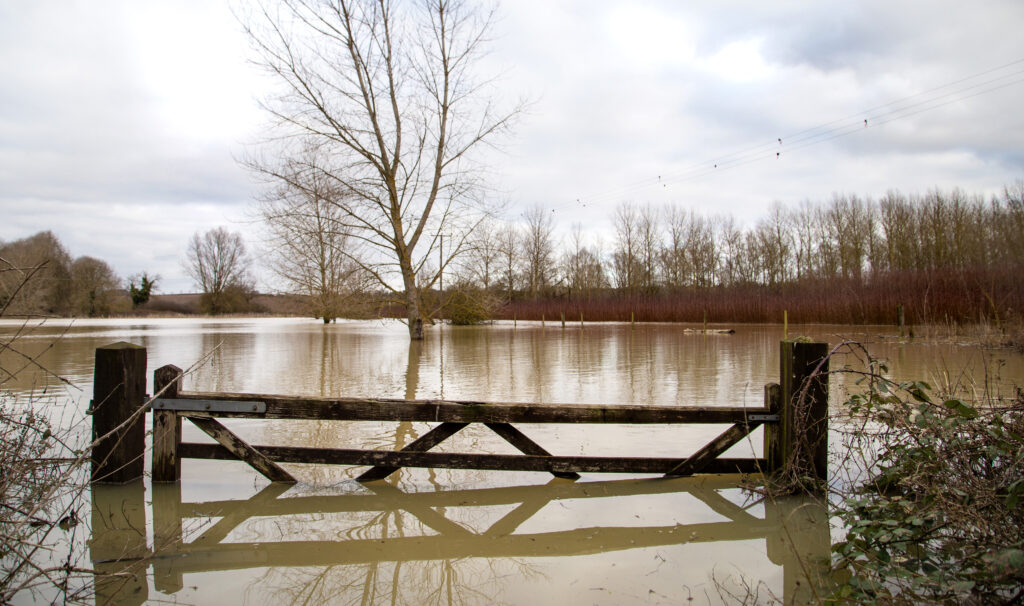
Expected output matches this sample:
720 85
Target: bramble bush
938 516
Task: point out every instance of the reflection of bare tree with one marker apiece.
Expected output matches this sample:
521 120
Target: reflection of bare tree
416 580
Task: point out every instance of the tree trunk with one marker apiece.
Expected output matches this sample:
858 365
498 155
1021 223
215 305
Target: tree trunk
415 323
412 306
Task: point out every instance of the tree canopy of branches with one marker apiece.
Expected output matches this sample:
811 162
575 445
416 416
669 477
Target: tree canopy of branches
219 265
95 288
944 255
47 293
311 250
388 92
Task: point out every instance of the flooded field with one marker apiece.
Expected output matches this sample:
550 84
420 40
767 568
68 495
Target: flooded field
225 534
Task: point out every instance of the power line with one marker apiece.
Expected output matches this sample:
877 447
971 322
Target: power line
928 100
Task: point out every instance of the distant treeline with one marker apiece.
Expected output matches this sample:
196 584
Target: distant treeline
945 256
39 277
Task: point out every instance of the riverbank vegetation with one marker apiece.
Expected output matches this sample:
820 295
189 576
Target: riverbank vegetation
43 460
930 493
946 257
39 277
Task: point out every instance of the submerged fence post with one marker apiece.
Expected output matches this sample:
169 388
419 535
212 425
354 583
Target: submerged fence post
803 382
118 423
166 427
900 321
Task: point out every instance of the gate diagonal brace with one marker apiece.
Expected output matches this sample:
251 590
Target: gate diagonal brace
699 460
243 451
527 446
422 444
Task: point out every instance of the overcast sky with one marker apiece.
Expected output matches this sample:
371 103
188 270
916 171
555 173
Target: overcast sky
121 122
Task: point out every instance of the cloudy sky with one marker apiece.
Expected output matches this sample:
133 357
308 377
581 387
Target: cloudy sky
121 122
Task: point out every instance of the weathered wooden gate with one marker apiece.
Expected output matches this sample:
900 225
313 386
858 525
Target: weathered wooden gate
794 416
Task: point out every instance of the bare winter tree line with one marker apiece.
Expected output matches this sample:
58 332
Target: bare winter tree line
958 241
84 286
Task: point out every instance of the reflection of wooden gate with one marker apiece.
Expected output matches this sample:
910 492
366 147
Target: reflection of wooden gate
793 539
794 416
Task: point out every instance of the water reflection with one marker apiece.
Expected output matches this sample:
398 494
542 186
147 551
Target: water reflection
378 543
420 539
119 548
601 363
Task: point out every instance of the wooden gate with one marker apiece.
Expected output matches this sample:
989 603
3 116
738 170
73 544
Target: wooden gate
794 415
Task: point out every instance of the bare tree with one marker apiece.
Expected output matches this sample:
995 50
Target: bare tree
802 222
650 244
774 246
539 250
388 91
509 257
581 266
847 221
47 293
311 250
627 246
95 288
483 256
706 239
675 266
219 265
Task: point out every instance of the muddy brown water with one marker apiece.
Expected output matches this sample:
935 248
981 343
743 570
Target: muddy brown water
225 535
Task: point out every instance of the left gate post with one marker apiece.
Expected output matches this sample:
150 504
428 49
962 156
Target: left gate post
118 423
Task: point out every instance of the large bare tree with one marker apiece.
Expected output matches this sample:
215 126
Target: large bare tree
388 91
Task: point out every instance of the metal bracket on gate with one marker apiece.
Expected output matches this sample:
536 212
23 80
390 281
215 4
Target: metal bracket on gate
764 418
209 405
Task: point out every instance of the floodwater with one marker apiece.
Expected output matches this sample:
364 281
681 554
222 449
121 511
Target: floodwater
226 535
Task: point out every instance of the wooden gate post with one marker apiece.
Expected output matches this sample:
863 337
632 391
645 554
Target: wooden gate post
803 379
118 424
166 427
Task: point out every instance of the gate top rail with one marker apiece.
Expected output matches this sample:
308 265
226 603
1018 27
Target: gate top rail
457 411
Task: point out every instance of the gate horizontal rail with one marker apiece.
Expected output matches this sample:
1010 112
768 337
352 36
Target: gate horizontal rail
495 462
456 411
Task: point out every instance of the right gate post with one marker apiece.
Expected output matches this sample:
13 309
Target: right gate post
803 382
166 427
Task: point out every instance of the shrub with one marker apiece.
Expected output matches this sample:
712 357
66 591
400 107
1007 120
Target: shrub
939 516
467 306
